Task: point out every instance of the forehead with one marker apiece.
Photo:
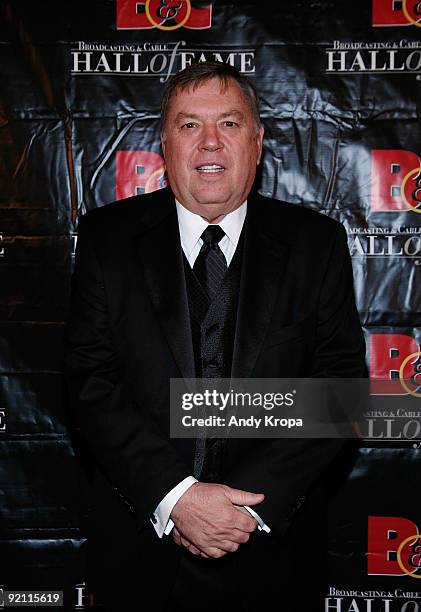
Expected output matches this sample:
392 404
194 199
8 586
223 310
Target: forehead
211 94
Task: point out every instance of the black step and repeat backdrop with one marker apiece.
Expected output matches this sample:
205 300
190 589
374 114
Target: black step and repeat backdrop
80 88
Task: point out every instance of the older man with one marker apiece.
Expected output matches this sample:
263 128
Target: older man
205 279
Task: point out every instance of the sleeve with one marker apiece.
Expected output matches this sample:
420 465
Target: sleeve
287 470
161 517
127 444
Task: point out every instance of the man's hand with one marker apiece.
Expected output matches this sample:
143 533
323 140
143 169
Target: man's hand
207 521
182 541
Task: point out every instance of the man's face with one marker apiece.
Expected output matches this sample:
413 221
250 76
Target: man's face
211 148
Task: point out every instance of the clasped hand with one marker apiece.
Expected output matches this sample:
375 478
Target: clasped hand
208 522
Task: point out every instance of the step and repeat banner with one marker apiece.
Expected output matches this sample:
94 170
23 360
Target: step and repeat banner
80 88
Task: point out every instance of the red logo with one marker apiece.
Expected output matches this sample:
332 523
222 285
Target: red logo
162 14
388 13
395 367
138 172
396 181
394 547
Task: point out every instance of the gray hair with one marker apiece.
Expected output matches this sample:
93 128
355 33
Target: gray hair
200 72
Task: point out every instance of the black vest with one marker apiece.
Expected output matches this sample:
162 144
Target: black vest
213 329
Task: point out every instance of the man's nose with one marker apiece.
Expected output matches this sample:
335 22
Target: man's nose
210 138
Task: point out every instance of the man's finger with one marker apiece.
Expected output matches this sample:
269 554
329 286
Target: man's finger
244 498
179 539
228 546
204 555
241 537
215 553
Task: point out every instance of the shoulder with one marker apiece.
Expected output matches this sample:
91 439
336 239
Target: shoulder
128 214
293 222
292 214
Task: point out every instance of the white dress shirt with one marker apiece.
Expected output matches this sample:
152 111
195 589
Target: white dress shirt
191 227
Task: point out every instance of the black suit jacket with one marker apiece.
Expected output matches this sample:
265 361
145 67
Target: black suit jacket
129 333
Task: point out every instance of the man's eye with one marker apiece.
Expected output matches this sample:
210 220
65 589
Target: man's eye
188 125
230 123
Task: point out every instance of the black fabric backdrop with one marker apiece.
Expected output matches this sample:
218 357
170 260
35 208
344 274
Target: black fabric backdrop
79 123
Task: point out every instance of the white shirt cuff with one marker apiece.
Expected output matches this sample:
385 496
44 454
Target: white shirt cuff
261 525
161 517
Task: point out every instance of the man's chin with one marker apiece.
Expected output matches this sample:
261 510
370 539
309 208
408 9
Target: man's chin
210 206
214 212
214 199
214 204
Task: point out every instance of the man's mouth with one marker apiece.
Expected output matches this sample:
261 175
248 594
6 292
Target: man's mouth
210 168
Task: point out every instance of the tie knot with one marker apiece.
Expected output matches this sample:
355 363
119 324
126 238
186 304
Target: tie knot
212 235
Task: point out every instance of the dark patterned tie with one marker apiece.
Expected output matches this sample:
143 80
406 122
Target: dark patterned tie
210 265
210 268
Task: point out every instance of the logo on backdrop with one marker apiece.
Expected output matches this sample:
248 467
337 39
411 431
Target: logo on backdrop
395 370
2 420
394 547
83 598
398 241
160 59
388 13
395 358
378 599
396 181
73 243
395 188
386 57
163 14
138 172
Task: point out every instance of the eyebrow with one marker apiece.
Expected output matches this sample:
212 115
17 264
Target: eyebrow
222 116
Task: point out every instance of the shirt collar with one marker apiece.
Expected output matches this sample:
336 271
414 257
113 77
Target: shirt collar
192 225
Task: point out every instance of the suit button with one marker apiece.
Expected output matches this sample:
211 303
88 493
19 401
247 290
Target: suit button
301 501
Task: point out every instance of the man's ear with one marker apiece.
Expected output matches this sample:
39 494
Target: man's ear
259 139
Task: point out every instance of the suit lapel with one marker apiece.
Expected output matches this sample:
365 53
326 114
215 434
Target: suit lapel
264 260
159 248
161 259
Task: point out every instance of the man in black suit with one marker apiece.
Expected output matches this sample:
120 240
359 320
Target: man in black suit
205 279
